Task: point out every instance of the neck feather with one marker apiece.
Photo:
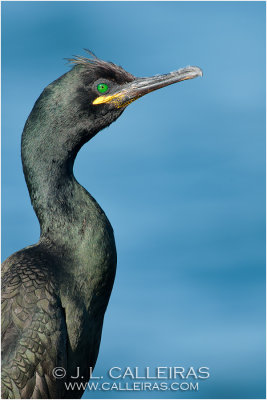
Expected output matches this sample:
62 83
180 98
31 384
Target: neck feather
59 201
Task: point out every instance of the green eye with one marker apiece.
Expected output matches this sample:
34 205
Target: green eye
102 88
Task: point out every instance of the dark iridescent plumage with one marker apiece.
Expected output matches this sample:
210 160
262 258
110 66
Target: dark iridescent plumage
55 293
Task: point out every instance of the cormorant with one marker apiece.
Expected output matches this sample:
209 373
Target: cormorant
55 292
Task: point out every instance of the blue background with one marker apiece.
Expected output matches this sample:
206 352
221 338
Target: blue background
181 176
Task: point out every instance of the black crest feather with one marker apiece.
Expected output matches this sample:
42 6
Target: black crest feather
106 67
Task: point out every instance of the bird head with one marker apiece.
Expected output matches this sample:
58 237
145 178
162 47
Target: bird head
107 89
88 98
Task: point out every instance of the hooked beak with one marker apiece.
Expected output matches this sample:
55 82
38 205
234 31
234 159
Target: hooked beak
141 86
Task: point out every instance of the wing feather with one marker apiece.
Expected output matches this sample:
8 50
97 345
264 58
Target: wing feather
34 334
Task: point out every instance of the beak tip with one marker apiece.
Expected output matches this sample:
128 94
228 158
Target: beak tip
198 71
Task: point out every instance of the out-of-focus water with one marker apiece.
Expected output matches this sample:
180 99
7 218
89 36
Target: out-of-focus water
181 176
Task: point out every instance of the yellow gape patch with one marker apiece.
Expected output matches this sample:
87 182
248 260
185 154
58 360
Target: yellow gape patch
116 99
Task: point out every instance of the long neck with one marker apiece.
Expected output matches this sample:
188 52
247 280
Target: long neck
60 203
50 143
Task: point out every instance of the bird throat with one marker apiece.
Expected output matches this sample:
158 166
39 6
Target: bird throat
74 230
67 213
